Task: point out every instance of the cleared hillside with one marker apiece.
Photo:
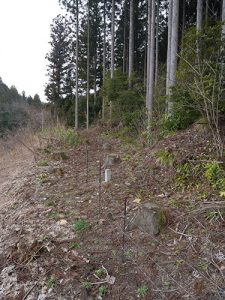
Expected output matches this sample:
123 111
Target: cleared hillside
62 230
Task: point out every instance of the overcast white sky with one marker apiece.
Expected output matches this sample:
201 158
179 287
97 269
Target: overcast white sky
24 38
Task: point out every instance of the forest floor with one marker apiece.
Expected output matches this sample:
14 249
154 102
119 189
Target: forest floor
62 228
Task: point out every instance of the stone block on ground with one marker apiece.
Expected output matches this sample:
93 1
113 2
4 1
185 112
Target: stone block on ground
108 175
150 218
111 160
59 156
107 147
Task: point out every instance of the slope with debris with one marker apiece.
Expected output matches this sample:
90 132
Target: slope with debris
66 234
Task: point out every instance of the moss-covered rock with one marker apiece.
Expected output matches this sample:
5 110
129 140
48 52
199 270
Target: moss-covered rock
150 218
60 155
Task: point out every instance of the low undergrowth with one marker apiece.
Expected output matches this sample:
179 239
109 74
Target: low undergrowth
57 138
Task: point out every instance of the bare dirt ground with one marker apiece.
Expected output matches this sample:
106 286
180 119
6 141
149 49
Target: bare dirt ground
13 164
62 229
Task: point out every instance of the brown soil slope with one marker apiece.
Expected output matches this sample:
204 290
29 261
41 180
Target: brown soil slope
62 232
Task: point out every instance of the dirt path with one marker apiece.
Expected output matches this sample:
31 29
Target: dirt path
13 167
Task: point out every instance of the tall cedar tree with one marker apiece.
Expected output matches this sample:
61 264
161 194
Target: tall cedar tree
58 61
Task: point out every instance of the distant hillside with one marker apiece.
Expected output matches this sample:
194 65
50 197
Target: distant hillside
14 108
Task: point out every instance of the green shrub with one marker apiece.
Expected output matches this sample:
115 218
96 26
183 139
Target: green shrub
102 290
43 178
80 225
100 272
42 163
215 174
66 136
86 285
128 104
184 170
129 253
184 111
198 90
188 174
51 282
59 137
165 158
142 291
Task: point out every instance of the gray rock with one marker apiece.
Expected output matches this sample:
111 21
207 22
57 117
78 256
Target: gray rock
42 297
150 218
106 147
59 155
111 160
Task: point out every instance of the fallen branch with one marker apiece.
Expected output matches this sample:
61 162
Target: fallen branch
205 161
30 290
33 256
108 279
183 232
214 207
180 233
28 148
36 283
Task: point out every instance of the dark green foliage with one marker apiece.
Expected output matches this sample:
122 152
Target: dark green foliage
215 174
140 37
58 61
62 66
37 101
199 89
12 117
113 87
66 111
14 108
184 113
209 43
127 104
81 225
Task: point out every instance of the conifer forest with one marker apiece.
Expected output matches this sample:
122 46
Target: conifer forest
137 63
